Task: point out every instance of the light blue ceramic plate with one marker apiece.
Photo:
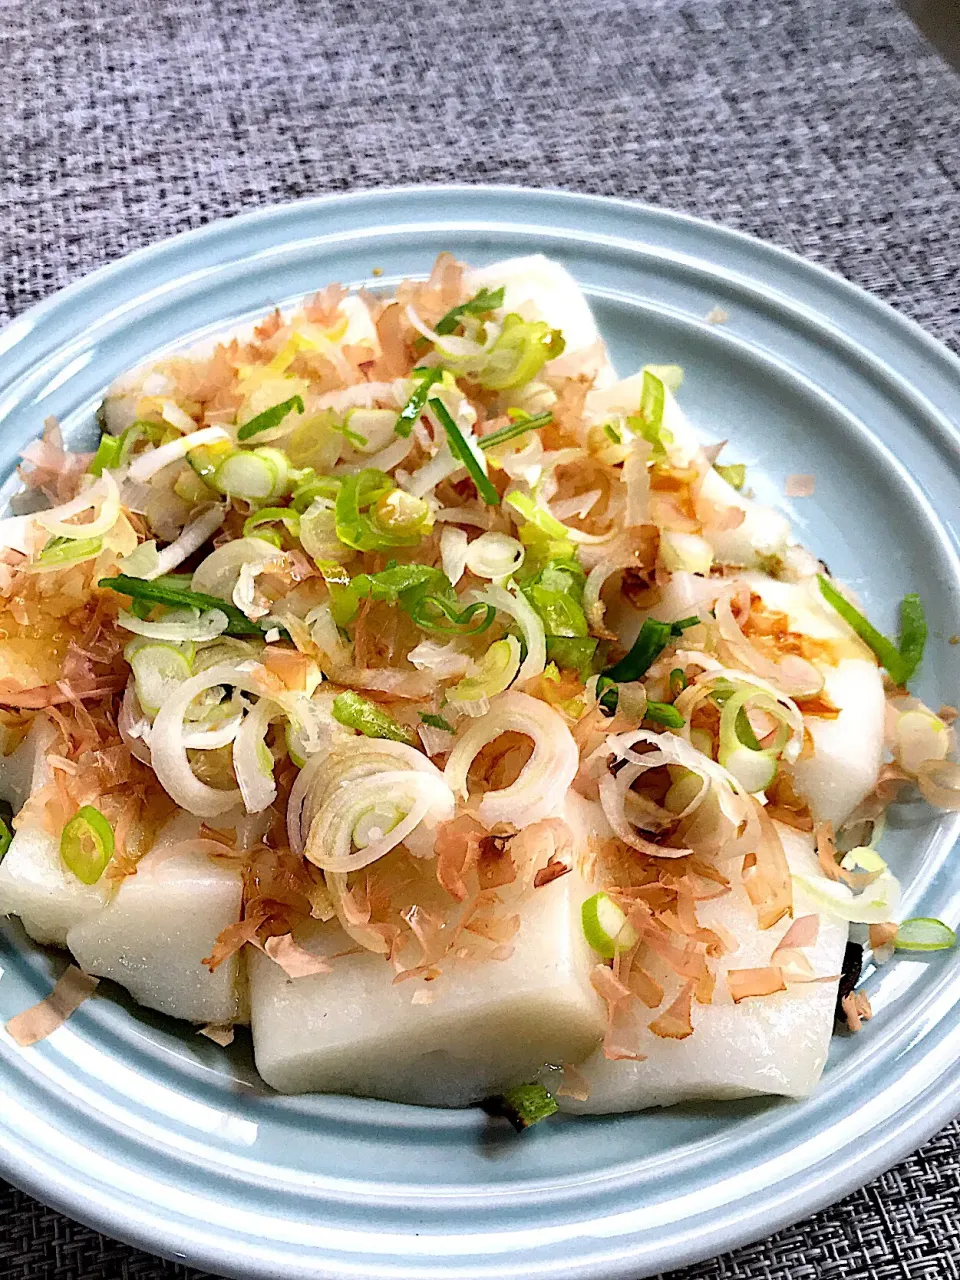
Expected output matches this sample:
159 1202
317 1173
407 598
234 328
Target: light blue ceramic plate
128 1122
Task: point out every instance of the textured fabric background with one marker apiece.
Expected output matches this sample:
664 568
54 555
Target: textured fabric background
826 126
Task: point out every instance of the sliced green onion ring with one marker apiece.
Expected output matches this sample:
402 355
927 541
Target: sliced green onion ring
158 670
606 927
924 933
87 844
60 553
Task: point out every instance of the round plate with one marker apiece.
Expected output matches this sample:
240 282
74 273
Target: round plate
135 1125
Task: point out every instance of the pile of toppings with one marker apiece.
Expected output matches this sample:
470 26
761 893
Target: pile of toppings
362 593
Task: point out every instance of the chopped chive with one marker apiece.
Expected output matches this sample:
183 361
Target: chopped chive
901 662
270 418
480 304
460 449
160 592
515 429
435 722
414 407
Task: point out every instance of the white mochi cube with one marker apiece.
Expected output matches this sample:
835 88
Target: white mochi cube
37 887
767 1044
848 750
152 938
24 769
537 288
492 1024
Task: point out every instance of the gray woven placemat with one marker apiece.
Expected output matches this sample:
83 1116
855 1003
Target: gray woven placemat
827 126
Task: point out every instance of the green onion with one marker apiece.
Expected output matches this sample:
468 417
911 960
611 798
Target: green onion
605 926
412 410
355 712
356 527
902 662
678 682
608 694
545 538
309 486
66 551
739 748
272 515
480 304
652 399
162 591
612 434
270 418
86 844
913 634
390 583
523 1106
653 639
572 653
665 714
519 354
648 423
531 422
435 722
735 474
400 512
352 437
205 460
159 668
556 593
460 449
422 592
924 933
253 477
109 452
343 599
440 611
537 515
6 836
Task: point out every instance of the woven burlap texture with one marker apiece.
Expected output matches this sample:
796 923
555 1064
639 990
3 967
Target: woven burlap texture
826 126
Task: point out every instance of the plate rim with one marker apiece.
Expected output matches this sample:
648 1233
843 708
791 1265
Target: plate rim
929 1110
